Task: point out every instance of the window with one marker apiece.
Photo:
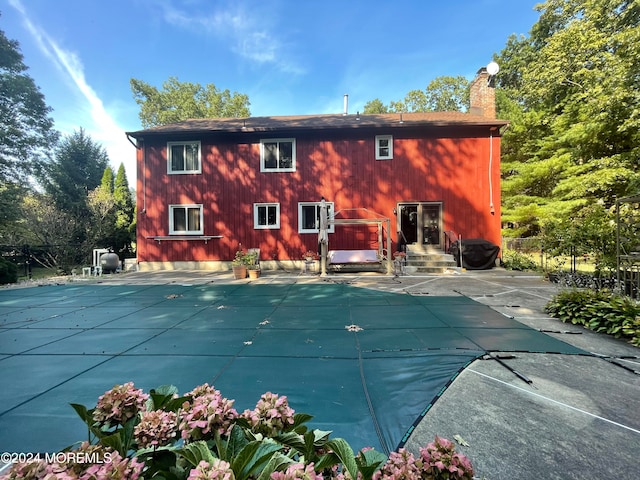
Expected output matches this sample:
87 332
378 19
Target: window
384 147
278 155
183 157
185 219
266 215
309 217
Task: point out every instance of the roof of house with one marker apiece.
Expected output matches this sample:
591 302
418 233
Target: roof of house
321 122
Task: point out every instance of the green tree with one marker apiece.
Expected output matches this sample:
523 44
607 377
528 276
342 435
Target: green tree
179 101
78 168
125 212
570 90
107 179
111 213
375 106
443 94
26 131
52 233
448 94
102 229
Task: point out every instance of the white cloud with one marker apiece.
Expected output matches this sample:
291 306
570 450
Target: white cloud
103 129
244 30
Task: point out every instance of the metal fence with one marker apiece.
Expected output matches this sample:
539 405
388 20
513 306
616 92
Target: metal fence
625 281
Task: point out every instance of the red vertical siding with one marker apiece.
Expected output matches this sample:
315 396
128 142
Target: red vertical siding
448 166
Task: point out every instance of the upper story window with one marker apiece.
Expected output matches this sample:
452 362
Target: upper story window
266 215
384 147
309 217
183 157
278 155
185 220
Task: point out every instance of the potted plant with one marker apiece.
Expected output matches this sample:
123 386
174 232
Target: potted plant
239 264
310 256
254 271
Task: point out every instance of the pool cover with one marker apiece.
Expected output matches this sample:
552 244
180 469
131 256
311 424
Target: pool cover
367 364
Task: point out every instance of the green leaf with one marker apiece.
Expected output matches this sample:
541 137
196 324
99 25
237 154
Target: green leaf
300 419
114 441
254 455
292 440
161 396
230 447
196 452
82 412
345 453
277 462
369 461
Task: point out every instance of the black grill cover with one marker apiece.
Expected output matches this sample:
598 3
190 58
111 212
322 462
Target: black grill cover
477 253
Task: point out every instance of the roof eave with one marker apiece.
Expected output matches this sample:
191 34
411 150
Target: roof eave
283 127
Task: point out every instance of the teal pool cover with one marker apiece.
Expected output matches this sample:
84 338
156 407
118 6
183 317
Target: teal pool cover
366 364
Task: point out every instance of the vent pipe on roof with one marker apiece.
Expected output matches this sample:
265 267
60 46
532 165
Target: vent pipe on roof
346 105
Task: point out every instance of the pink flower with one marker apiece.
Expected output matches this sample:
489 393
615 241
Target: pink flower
119 404
117 468
401 465
88 462
271 416
218 470
207 412
440 460
297 471
156 428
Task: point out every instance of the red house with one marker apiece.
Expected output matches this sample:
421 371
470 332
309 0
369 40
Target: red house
205 187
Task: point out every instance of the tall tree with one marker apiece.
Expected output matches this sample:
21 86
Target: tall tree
443 94
179 101
375 106
51 233
125 212
107 179
78 168
570 90
26 130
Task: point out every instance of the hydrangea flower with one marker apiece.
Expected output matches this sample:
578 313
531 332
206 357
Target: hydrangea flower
401 465
32 471
440 460
117 468
218 470
271 415
207 412
119 404
297 471
156 428
106 465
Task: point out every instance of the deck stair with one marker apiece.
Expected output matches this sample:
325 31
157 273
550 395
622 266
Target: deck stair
429 259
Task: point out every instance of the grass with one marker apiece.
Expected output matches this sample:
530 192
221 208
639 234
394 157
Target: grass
584 264
40 273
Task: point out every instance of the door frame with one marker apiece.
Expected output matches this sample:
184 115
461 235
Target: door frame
420 223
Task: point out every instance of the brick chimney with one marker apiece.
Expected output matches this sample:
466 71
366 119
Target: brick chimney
482 95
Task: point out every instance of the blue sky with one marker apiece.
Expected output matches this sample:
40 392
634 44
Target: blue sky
291 57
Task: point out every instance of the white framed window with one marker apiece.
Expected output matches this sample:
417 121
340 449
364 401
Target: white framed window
184 157
309 217
384 147
266 216
278 155
185 220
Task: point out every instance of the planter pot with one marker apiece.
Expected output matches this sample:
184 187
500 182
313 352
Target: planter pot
239 271
254 273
